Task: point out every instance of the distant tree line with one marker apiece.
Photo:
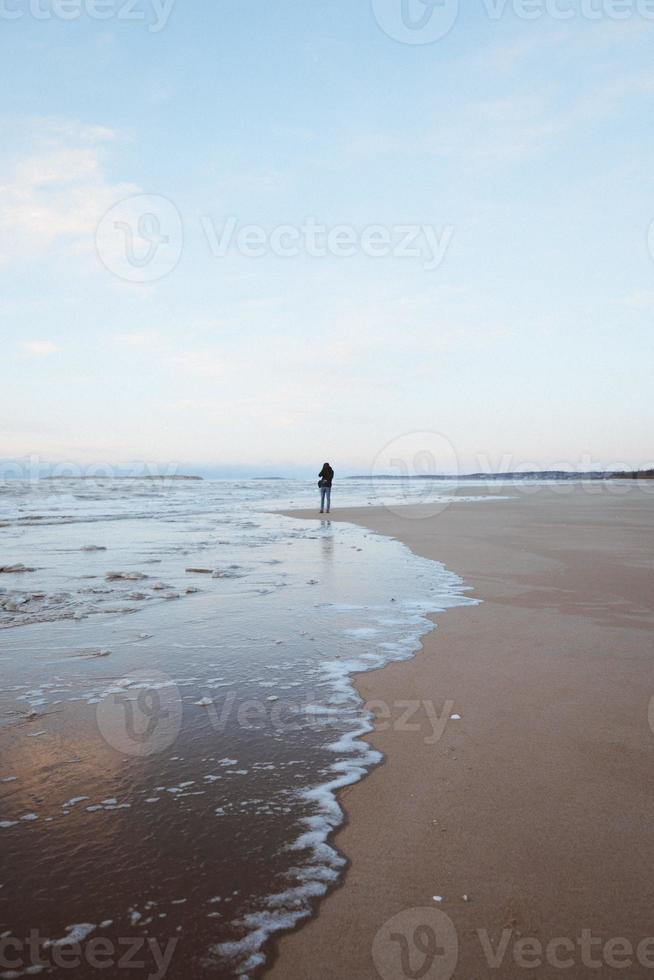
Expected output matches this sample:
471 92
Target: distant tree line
634 475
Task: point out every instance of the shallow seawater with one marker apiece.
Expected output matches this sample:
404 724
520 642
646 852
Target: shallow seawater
176 709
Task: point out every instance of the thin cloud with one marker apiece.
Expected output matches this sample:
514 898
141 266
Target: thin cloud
640 299
56 194
39 348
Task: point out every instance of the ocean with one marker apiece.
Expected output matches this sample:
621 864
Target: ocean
177 709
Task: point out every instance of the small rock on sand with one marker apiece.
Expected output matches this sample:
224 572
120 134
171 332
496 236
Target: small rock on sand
125 576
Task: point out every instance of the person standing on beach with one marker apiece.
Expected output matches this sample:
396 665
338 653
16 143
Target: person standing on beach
325 484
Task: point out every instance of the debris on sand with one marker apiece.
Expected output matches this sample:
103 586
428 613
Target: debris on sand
124 576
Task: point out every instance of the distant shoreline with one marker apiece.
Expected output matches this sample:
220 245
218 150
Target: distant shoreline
99 476
531 475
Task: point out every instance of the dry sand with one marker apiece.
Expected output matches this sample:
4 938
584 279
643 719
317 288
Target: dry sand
539 803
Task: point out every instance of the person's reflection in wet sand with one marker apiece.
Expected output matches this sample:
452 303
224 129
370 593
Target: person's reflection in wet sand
327 540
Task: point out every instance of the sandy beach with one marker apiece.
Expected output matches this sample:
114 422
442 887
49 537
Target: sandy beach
530 814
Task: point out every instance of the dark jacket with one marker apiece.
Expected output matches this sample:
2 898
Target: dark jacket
327 475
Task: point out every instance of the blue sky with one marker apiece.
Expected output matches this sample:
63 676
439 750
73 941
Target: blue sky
526 145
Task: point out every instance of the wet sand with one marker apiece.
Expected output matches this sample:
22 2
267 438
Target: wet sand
537 804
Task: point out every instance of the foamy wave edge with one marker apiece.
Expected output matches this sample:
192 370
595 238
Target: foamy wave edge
283 911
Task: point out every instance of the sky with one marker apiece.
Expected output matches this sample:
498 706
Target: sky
253 235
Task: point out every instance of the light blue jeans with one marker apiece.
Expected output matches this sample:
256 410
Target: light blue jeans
325 496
